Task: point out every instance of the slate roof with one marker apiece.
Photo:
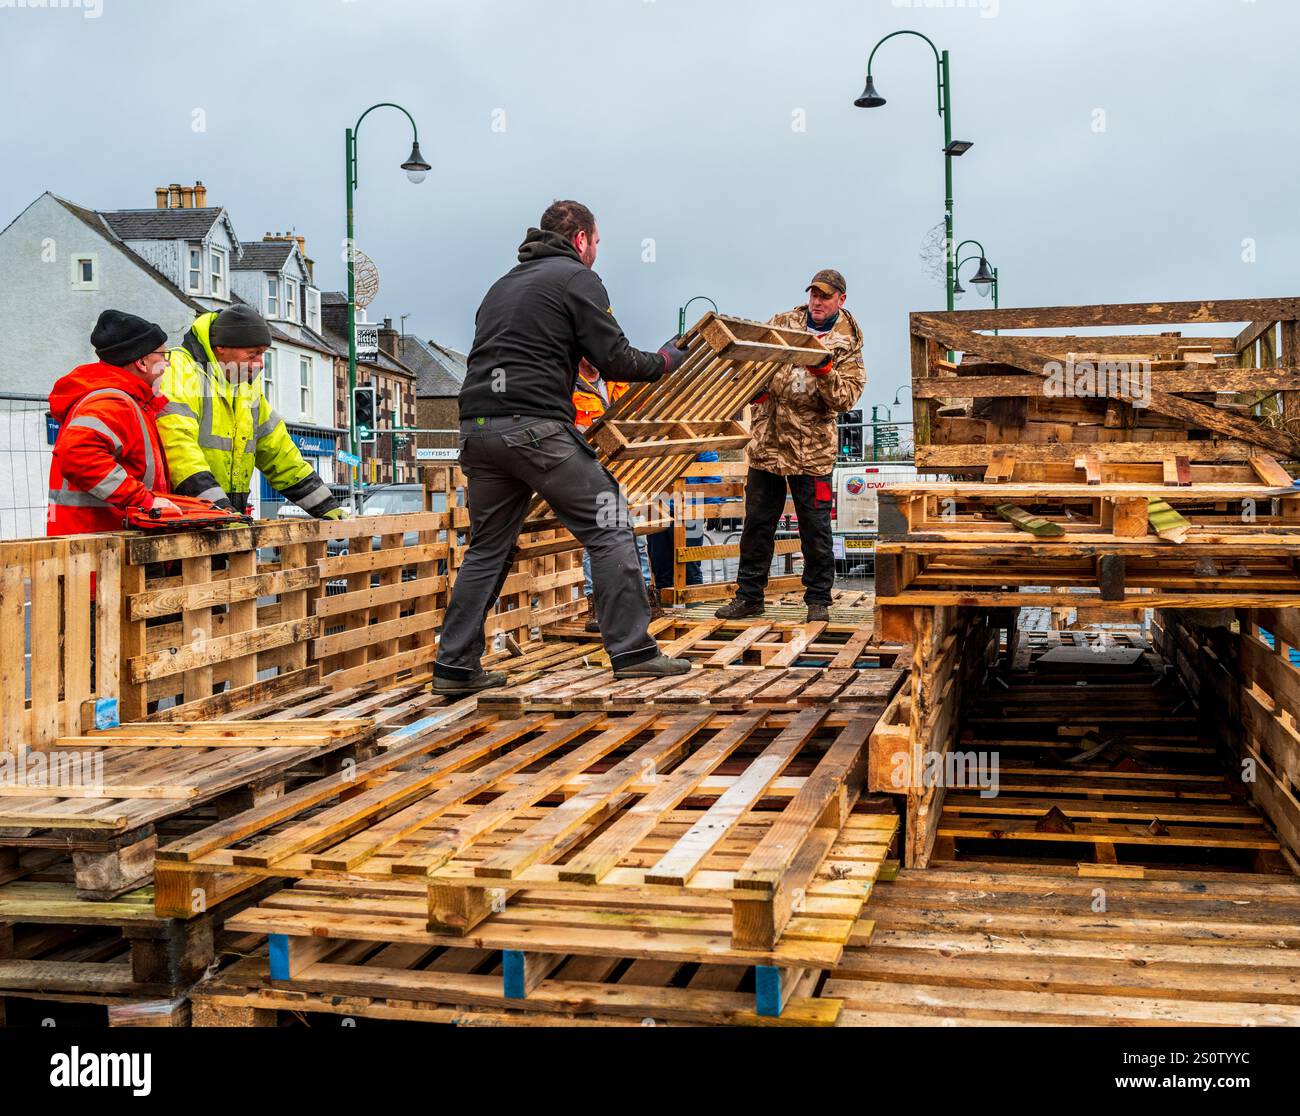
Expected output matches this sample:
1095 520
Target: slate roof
263 255
439 371
162 224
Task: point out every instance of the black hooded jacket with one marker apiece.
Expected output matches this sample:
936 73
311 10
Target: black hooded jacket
533 328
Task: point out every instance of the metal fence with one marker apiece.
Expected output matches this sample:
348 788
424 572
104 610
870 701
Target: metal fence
24 465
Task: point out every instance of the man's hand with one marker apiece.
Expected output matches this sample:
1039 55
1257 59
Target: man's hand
674 353
824 367
163 506
335 514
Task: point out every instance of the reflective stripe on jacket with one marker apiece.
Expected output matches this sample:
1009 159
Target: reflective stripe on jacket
107 456
217 432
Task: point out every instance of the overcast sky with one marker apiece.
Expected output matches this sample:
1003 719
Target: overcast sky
717 135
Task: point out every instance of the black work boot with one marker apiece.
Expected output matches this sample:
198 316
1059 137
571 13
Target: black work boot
462 687
661 666
739 609
818 612
593 624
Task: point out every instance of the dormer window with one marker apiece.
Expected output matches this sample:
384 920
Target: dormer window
218 269
195 271
313 309
291 300
272 296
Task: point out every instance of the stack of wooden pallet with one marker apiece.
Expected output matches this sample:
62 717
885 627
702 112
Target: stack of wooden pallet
695 866
1108 472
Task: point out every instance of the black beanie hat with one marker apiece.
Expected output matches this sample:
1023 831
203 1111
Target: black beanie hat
240 327
119 338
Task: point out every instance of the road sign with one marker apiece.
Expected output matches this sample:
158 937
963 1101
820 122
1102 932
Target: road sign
367 341
437 455
350 459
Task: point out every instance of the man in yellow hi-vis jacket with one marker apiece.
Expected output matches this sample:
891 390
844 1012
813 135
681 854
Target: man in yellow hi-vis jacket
217 424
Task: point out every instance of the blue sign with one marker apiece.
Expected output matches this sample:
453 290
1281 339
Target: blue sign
51 428
349 459
314 445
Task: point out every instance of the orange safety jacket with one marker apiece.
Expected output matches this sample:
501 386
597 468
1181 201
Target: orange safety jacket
107 456
588 403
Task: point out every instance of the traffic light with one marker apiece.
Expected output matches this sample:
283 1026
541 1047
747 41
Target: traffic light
850 432
364 410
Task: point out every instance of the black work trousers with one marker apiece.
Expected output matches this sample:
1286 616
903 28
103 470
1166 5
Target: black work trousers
506 460
764 504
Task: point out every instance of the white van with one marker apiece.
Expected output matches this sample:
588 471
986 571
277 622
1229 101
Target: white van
855 516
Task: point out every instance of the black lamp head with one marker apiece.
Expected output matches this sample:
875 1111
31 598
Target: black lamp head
983 274
415 166
870 98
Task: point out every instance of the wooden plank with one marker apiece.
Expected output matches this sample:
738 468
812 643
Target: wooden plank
681 861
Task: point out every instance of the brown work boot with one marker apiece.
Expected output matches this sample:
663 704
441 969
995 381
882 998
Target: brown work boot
818 612
656 606
739 609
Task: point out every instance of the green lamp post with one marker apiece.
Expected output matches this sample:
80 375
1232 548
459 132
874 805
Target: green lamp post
951 148
416 170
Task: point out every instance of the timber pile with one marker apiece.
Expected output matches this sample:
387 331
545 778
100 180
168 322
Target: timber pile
741 851
1011 945
1118 494
1057 398
1097 755
1246 687
77 848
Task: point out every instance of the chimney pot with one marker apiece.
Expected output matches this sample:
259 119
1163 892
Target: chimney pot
160 196
187 197
200 194
174 196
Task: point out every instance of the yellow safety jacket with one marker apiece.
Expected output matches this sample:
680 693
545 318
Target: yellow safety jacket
215 433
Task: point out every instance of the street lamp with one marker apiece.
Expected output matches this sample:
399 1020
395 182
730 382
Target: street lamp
681 314
985 278
416 170
871 98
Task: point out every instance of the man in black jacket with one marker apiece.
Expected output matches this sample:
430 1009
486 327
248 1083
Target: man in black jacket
517 438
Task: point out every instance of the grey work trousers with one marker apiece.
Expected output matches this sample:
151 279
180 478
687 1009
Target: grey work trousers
507 459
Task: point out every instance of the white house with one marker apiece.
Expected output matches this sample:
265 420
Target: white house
62 264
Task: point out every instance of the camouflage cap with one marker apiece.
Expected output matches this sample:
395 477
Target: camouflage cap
829 281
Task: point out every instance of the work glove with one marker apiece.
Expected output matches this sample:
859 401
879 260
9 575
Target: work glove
162 506
335 514
674 353
824 367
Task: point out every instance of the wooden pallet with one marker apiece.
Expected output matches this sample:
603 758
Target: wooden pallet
1100 759
758 641
58 599
984 945
112 788
58 950
1196 397
412 982
1246 689
734 688
701 828
654 431
848 606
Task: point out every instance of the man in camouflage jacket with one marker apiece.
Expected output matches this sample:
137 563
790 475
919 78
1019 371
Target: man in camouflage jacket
794 443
